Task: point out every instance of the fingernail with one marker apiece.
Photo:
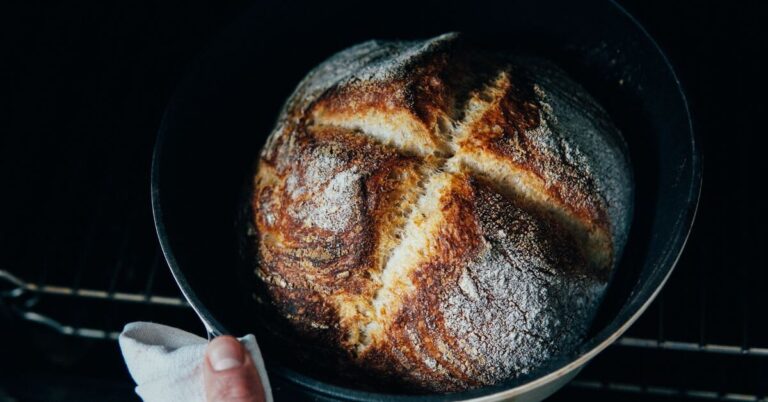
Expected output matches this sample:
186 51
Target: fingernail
225 355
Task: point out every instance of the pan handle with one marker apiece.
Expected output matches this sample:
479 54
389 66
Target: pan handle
210 331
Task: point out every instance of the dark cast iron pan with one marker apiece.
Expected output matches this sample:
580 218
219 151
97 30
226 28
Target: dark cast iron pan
226 106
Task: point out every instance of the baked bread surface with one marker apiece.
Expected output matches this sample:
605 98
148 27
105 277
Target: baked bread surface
443 217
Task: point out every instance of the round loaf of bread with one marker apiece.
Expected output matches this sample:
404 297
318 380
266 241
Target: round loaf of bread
442 216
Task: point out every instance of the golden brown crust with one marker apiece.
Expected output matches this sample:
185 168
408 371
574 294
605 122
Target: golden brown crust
456 330
422 209
417 328
304 237
506 130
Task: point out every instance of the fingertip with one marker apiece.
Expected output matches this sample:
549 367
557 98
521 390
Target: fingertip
230 374
224 353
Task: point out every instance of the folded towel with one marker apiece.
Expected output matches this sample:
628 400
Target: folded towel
166 362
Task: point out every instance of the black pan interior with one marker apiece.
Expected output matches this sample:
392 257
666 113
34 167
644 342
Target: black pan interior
225 108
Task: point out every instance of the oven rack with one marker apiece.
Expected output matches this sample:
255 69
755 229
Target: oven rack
158 294
21 288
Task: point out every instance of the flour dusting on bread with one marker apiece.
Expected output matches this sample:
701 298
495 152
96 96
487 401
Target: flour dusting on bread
442 216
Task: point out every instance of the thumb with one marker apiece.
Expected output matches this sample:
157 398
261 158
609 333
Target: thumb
229 373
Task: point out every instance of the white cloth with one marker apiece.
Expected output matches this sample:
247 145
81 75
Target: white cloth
166 362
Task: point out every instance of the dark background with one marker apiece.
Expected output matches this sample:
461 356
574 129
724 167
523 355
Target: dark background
83 86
